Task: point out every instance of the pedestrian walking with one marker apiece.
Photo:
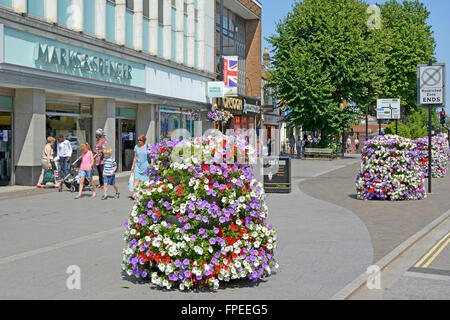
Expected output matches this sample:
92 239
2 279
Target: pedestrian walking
100 145
86 171
357 145
109 173
47 161
140 163
348 145
292 144
64 153
299 146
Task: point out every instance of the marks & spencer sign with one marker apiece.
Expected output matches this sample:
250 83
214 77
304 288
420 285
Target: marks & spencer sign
73 59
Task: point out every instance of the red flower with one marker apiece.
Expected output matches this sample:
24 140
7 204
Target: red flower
211 187
163 150
217 268
180 194
234 255
170 179
228 185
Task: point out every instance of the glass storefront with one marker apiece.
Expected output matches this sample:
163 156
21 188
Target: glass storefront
5 148
172 119
126 130
72 121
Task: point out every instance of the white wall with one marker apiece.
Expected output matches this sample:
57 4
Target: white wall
175 84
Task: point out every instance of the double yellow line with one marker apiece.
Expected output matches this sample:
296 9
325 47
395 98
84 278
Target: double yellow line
433 253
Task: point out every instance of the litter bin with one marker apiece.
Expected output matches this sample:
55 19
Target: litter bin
277 174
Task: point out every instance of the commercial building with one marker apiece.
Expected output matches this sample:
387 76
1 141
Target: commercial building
275 128
72 66
239 35
127 66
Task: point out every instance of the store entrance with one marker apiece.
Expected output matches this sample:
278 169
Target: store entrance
5 148
126 131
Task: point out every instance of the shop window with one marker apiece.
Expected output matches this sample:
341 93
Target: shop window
130 5
174 119
74 121
5 147
36 8
64 12
174 39
129 26
6 3
145 34
160 28
146 8
110 20
89 16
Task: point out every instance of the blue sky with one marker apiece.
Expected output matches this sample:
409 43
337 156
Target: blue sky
274 10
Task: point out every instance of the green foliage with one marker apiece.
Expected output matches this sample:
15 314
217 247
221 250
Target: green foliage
325 53
415 126
408 41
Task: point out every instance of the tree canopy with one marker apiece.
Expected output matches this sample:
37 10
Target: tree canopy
326 54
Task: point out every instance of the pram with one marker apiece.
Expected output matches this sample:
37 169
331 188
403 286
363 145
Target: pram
72 180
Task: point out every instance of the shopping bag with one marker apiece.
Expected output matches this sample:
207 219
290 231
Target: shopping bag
48 176
131 183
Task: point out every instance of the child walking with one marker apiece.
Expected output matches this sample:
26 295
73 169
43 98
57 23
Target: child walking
85 171
109 173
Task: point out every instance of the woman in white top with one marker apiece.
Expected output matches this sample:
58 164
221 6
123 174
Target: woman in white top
47 158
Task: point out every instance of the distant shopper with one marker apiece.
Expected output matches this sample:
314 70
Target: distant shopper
109 173
100 145
299 145
140 163
357 144
348 145
47 161
85 171
292 144
64 153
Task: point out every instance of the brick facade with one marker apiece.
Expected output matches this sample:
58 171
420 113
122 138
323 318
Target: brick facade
253 63
249 4
253 49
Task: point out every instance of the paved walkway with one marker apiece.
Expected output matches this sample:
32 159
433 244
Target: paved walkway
422 272
322 247
389 222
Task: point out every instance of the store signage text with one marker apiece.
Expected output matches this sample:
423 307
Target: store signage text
76 60
233 104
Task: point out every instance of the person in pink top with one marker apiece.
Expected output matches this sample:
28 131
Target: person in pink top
85 171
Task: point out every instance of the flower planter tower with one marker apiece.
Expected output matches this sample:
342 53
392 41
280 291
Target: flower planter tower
202 217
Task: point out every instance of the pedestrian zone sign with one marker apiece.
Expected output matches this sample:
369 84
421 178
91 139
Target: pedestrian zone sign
431 84
388 109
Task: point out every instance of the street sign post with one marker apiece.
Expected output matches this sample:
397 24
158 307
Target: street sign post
431 79
388 109
215 89
430 93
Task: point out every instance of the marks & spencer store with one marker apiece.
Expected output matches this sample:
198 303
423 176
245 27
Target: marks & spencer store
55 81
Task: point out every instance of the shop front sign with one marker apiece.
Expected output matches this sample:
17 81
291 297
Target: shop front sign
73 59
251 108
233 104
33 52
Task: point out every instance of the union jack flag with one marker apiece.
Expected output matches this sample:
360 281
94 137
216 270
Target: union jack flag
230 71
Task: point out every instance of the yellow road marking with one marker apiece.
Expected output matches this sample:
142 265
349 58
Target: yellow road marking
436 254
417 265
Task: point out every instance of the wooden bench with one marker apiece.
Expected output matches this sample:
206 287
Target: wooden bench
319 152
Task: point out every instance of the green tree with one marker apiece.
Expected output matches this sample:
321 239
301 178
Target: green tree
415 125
408 41
325 55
